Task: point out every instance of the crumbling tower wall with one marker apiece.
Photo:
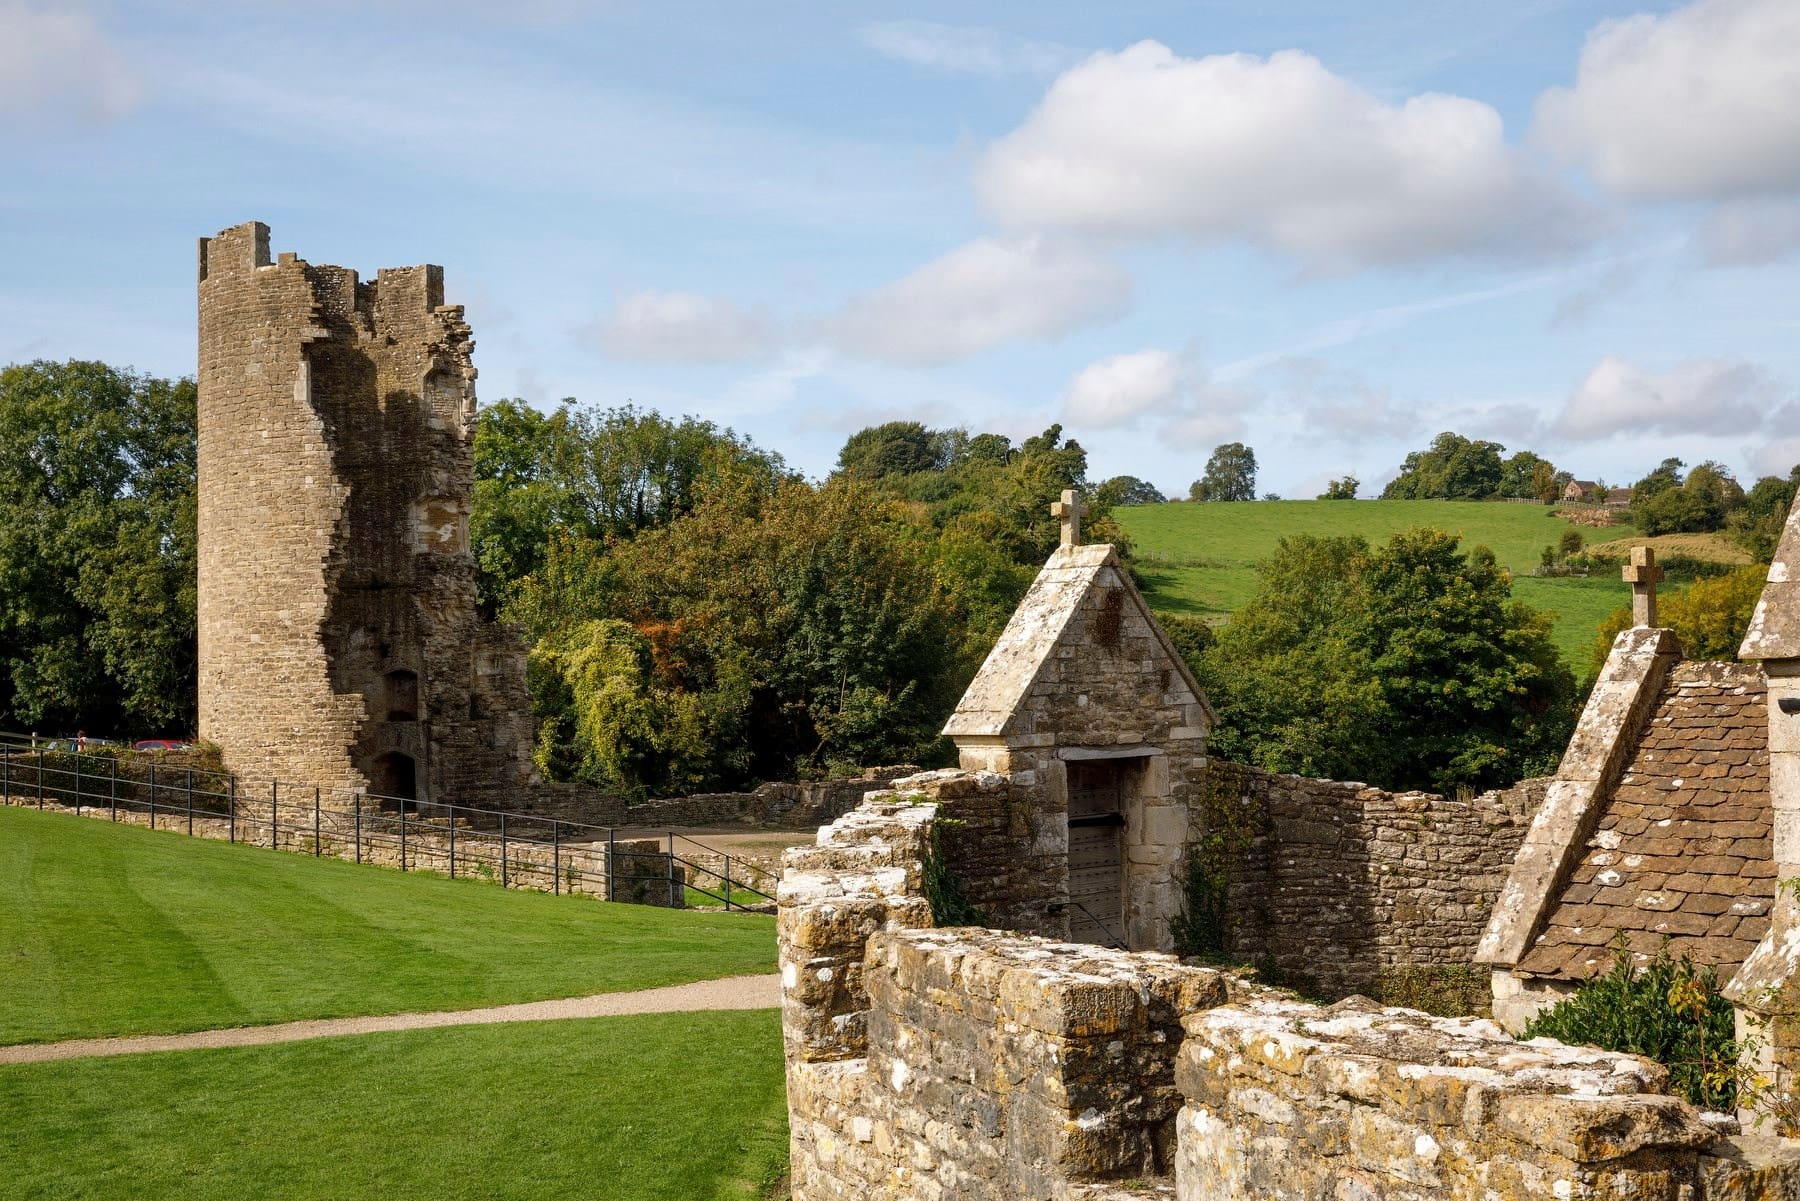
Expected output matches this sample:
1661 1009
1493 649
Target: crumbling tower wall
340 643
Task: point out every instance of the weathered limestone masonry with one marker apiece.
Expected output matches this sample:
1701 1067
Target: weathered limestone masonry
1290 1101
339 640
1342 886
1767 987
1084 702
977 1065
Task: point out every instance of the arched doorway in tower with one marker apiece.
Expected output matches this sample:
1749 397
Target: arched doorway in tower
394 776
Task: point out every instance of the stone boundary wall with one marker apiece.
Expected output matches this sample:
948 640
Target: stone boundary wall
1289 1100
967 1063
1336 886
777 805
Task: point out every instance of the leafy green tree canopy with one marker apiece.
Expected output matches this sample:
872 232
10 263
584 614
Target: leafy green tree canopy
1123 490
1457 468
1344 489
97 560
1230 475
592 473
1408 665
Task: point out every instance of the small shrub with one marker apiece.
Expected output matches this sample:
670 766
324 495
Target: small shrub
1668 1010
950 904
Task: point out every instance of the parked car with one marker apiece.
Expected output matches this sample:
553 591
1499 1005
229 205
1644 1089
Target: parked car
161 744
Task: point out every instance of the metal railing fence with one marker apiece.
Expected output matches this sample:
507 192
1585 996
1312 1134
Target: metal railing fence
514 850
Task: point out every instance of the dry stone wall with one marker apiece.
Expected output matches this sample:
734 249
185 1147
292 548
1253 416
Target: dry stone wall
970 1063
1337 886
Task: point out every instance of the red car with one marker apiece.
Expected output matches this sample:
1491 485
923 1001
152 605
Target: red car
161 744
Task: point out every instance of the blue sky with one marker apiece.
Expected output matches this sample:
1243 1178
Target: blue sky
1330 231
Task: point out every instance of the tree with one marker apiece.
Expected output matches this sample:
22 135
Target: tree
1526 476
896 448
1123 490
1757 526
595 473
1344 489
1409 665
1664 503
97 553
1451 468
758 636
1230 475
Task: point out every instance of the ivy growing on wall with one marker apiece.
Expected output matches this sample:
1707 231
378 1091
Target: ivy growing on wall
1228 826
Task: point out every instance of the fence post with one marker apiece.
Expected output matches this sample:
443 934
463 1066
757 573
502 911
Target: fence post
40 778
274 815
152 791
78 782
502 848
112 790
453 842
556 858
6 772
728 884
190 800
356 830
402 835
231 800
612 863
672 869
315 821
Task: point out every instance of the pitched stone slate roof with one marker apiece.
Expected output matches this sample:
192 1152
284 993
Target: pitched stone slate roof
1682 848
1044 625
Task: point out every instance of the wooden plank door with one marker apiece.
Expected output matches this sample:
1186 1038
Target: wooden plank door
1096 853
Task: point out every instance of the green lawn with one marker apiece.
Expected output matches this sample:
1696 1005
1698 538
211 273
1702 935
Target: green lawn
108 930
686 1107
1201 559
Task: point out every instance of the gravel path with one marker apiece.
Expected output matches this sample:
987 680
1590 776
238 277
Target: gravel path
733 992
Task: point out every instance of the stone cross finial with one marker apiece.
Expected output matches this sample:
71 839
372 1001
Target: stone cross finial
1642 574
1069 509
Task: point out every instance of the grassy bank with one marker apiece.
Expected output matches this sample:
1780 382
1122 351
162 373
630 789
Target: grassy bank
1200 559
109 930
683 1107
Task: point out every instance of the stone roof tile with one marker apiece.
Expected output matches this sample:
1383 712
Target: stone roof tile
1682 847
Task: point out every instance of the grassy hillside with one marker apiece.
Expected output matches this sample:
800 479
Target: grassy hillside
108 930
1200 559
683 1107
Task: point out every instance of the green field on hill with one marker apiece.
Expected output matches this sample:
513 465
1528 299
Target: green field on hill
111 930
660 1107
1200 559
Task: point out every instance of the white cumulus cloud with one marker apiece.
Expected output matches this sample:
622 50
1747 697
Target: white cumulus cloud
1698 396
1279 151
980 295
57 60
1187 406
684 327
1118 388
1700 102
963 49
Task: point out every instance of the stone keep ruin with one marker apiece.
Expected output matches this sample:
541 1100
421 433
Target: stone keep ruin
339 639
1055 1052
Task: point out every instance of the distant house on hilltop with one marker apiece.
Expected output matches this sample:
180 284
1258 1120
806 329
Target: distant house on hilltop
1618 498
1585 491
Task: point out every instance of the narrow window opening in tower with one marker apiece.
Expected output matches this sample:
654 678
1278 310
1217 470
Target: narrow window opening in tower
402 688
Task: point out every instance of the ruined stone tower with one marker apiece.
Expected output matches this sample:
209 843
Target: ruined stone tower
339 640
